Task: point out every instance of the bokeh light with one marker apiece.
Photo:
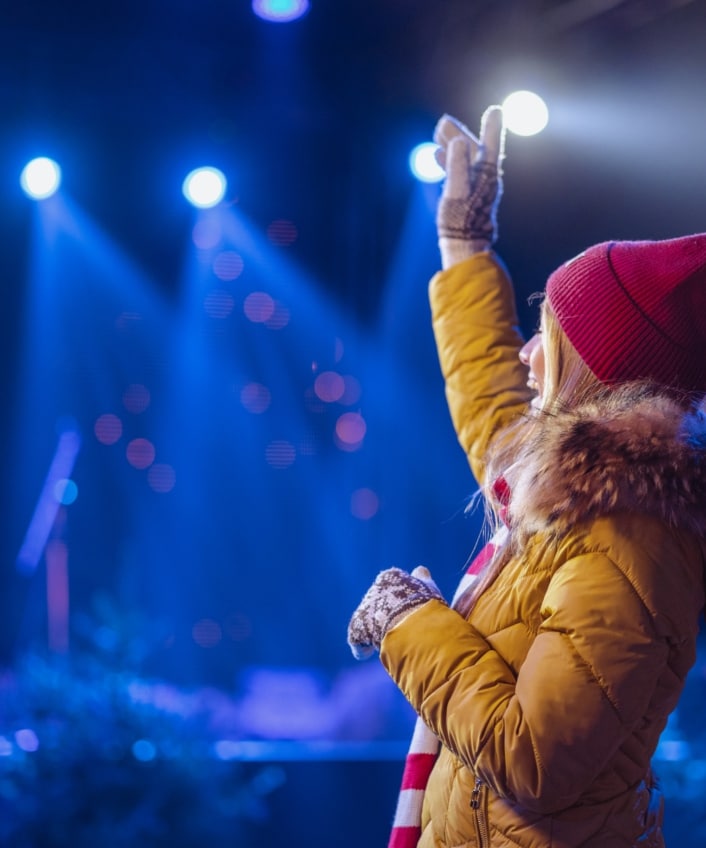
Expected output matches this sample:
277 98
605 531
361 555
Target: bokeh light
205 187
280 11
136 398
140 453
228 265
40 178
207 234
256 398
525 113
218 304
350 431
27 740
259 307
161 477
207 633
423 164
144 751
282 233
65 492
329 386
364 504
108 428
280 454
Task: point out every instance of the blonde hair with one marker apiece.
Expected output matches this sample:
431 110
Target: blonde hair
568 382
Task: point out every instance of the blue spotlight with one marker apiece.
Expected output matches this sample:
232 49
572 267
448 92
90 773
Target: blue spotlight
40 178
423 164
280 11
204 187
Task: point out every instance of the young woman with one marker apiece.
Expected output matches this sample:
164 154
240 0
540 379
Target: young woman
550 678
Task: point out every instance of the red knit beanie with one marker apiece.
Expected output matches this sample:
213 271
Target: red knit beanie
636 310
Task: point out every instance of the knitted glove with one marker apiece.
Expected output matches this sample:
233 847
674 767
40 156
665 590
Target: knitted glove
393 596
466 216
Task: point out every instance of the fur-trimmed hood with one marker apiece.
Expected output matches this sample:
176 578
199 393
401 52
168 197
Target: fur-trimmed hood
630 450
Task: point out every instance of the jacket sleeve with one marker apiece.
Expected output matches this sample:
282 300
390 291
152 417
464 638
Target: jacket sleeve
542 736
476 330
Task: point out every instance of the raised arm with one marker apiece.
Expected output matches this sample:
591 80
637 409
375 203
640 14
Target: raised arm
473 304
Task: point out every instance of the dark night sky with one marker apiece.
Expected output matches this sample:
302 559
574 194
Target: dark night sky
313 119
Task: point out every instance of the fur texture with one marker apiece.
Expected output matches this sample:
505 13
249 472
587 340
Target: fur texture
630 450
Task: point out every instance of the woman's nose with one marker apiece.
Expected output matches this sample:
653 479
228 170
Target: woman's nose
528 347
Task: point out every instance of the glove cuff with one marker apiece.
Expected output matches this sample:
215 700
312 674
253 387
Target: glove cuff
394 595
400 616
454 250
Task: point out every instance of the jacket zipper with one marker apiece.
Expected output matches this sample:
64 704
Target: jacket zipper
478 797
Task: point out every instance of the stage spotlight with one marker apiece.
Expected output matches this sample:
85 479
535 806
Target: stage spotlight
423 164
280 11
204 187
40 178
525 113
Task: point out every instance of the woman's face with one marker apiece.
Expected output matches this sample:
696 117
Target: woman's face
532 355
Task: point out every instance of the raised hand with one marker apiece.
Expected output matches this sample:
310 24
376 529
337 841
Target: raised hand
467 212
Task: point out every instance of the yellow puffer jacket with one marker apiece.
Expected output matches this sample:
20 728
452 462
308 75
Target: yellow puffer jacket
550 699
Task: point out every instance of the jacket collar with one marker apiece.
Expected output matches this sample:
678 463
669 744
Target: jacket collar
632 449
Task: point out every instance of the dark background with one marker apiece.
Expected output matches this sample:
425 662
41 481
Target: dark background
235 586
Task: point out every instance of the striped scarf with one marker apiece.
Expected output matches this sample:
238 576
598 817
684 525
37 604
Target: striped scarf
424 747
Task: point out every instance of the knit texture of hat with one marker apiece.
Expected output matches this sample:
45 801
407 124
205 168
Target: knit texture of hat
636 310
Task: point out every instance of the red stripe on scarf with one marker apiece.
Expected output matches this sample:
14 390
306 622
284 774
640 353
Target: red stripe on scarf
404 837
483 558
417 769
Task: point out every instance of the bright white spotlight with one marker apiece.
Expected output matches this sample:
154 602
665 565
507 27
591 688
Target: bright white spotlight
280 11
204 187
525 113
423 164
40 178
